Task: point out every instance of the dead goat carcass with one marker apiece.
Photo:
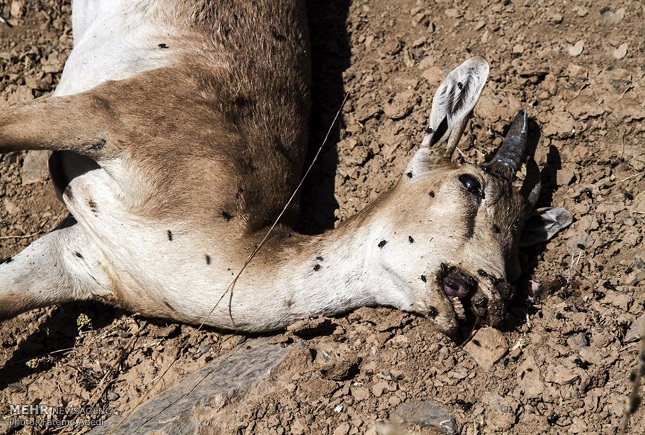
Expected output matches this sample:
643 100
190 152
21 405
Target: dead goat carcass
176 142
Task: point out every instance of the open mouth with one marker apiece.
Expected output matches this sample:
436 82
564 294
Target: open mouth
461 288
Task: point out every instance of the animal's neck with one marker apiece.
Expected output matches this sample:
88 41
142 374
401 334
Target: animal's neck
303 276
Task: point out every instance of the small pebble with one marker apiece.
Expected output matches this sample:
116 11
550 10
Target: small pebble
576 49
620 52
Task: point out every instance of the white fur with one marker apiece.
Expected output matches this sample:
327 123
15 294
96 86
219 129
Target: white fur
114 40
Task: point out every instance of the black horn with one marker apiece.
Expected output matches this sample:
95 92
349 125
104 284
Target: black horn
511 153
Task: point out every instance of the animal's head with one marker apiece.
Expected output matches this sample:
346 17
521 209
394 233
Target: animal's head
457 229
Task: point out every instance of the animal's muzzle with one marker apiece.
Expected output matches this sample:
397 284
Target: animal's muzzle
493 311
457 284
467 297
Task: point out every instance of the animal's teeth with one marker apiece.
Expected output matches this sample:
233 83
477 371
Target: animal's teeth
459 308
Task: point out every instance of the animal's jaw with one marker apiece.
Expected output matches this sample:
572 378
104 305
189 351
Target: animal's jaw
470 299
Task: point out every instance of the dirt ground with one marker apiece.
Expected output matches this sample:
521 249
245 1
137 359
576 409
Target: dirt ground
562 361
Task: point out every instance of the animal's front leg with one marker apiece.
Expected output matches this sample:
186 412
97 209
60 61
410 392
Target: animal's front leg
59 267
84 123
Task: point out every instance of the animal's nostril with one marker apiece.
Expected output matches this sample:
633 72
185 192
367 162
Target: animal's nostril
480 302
480 306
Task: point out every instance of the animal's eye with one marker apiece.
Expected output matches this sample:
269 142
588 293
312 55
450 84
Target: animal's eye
471 183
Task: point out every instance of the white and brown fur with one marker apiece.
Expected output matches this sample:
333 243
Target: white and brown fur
178 134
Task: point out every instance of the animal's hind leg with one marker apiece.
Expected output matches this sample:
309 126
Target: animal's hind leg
60 267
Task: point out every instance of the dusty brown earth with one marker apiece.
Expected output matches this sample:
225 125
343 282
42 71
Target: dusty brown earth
562 362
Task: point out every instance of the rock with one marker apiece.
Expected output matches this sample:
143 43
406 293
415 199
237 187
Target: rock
418 42
419 19
434 75
550 84
379 388
168 331
426 413
401 105
631 222
366 108
196 400
618 78
529 378
41 82
497 106
9 426
359 393
487 347
576 49
53 63
635 331
578 425
35 167
615 403
502 416
584 108
339 365
565 176
638 204
618 299
298 427
392 46
10 207
17 8
620 52
635 277
576 341
313 327
342 429
452 13
561 374
390 321
317 387
576 71
555 18
580 241
21 95
611 18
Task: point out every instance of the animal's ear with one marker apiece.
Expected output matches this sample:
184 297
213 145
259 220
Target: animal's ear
454 101
543 224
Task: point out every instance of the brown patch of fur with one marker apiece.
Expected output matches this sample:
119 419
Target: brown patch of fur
223 129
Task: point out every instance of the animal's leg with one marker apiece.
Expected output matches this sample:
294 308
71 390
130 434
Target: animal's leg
83 123
60 267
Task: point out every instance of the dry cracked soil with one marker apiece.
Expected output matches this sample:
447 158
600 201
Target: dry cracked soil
562 361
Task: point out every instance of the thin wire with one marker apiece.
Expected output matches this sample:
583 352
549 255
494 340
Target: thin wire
275 223
246 263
